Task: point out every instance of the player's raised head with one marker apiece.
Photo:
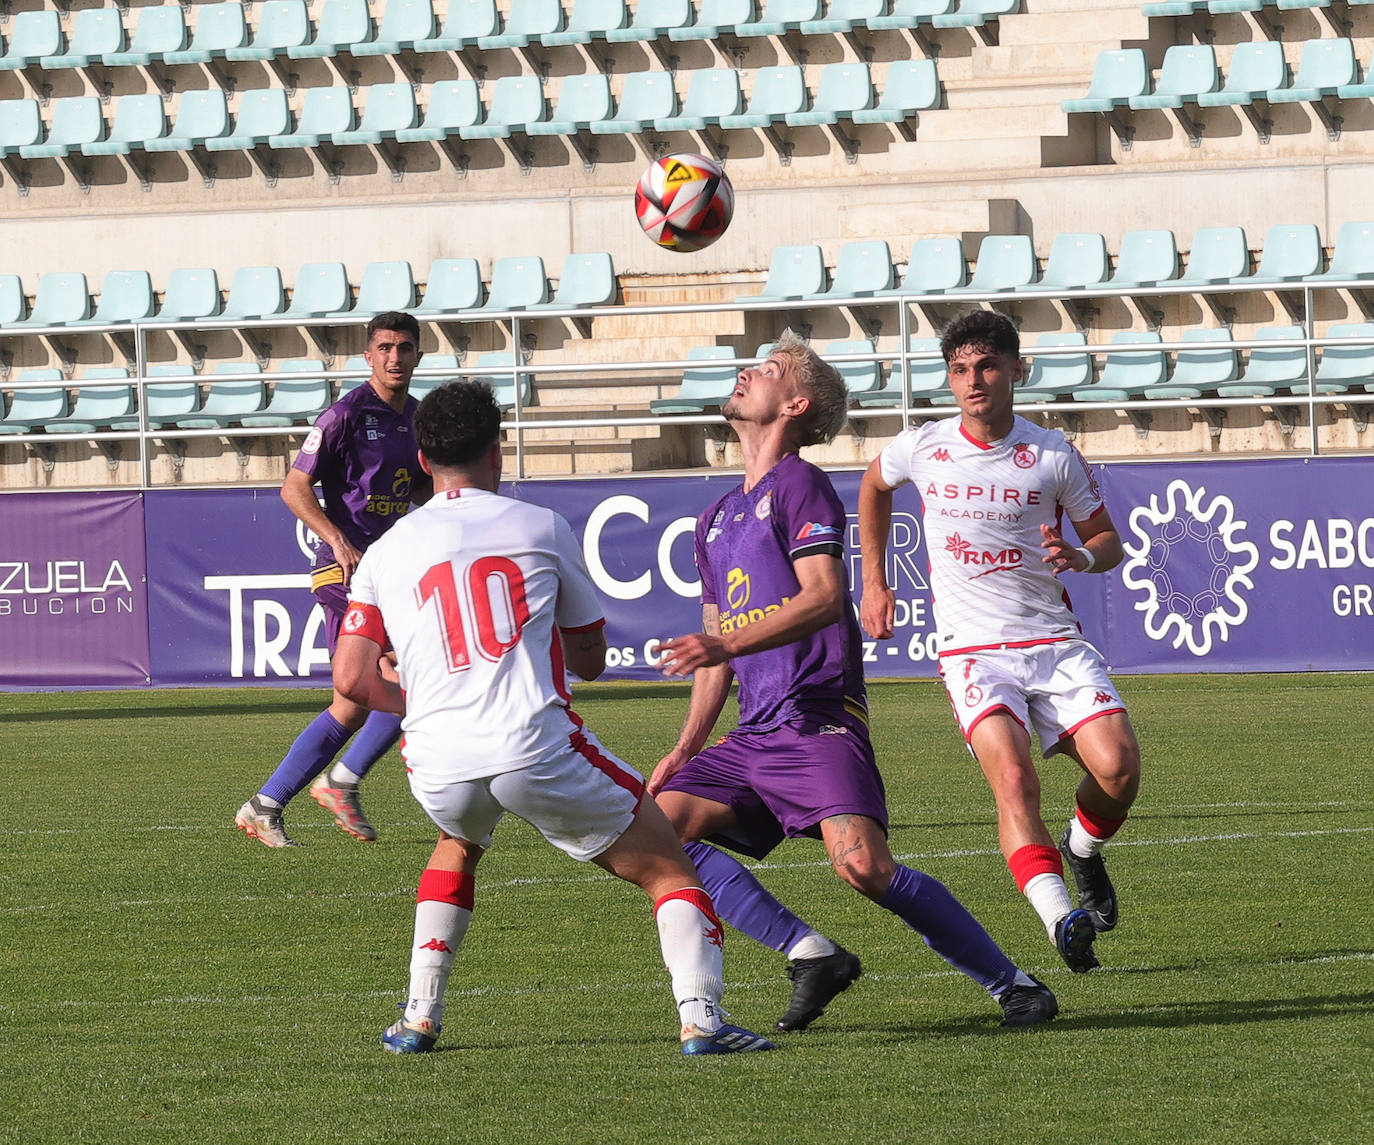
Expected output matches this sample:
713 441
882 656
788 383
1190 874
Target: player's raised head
981 330
822 385
457 424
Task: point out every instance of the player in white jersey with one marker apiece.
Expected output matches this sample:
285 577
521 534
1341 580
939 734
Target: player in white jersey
485 600
995 489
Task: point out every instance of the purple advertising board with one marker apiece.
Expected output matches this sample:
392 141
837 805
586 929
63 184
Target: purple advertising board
73 605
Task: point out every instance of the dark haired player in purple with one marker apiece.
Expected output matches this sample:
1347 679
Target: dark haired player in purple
362 453
777 616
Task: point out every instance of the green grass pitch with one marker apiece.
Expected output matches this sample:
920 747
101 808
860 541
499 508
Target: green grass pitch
164 979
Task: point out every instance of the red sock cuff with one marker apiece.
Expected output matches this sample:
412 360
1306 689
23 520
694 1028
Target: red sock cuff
446 886
1034 859
1096 825
694 895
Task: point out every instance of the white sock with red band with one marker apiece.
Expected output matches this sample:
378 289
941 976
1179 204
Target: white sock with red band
693 944
1039 874
443 909
1088 832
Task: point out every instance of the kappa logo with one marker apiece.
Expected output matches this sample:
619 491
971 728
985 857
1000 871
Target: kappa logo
1104 698
941 454
437 944
1189 560
715 935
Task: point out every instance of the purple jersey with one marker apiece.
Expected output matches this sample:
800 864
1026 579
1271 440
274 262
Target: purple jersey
363 454
746 544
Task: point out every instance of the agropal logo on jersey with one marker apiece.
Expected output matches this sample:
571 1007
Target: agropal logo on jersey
1190 561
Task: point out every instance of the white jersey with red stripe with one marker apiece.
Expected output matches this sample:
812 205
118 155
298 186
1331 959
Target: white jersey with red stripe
471 590
983 506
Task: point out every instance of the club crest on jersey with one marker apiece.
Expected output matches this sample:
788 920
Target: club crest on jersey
354 620
816 529
1023 456
764 509
973 694
313 440
941 454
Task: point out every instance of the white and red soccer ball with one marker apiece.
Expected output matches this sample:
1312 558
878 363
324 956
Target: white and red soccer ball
684 202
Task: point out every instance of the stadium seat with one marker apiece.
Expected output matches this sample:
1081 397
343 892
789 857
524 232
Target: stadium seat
1189 70
76 121
1118 76
320 288
843 16
1291 253
1218 254
282 24
517 283
294 400
1353 255
1075 261
652 20
263 114
527 20
452 285
343 24
219 27
31 408
201 115
1324 66
1255 70
325 112
33 36
165 401
403 24
1270 368
844 88
933 266
910 14
711 94
582 101
1146 258
384 286
1127 375
794 272
780 17
929 378
975 13
910 86
1343 368
703 386
503 386
227 400
159 30
255 292
137 119
390 108
1165 8
1198 371
453 104
859 377
21 125
714 18
425 381
778 90
1053 376
95 31
646 96
1232 7
586 280
353 365
13 305
125 296
862 269
192 292
97 407
590 20
1005 262
465 23
63 297
515 102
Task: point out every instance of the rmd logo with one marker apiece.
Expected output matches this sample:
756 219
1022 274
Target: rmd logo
987 560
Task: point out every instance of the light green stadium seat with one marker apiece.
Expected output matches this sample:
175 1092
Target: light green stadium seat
586 280
63 297
1075 260
1290 253
859 377
711 94
715 18
320 288
325 112
1167 8
263 114
403 24
97 407
201 115
219 27
282 24
95 31
1299 5
503 386
465 22
1199 371
1005 262
1146 258
1053 376
385 286
652 20
1343 368
357 362
844 88
13 305
390 108
703 386
1232 7
137 119
166 400
590 20
1323 68
453 104
31 408
928 378
159 30
975 13
582 101
910 14
21 125
862 269
1188 71
515 102
780 17
1255 70
1218 254
227 400
1270 368
933 266
452 285
910 86
1362 88
843 16
192 292
1118 76
779 90
294 401
76 121
125 296
517 283
646 96
1353 256
526 21
433 372
794 272
343 24
1127 375
34 35
255 292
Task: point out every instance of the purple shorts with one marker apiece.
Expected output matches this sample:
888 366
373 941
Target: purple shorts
782 783
333 599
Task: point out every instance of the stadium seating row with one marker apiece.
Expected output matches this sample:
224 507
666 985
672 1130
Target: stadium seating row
1230 7
162 35
455 109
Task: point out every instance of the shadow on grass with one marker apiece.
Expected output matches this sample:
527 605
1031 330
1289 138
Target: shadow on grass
303 705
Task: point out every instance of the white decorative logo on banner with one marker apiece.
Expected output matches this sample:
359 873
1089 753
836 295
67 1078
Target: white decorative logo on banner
1192 564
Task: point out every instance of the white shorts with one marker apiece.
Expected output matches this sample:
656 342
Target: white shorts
1053 688
581 800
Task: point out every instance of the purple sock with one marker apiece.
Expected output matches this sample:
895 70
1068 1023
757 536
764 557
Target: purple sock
374 740
926 905
741 900
309 755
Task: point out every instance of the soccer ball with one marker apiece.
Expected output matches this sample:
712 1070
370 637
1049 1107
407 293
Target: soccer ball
684 202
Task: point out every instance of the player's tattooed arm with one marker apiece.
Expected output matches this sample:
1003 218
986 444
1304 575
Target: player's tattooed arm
584 651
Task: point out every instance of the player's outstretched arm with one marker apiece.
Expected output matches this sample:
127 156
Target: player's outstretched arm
1099 552
298 491
878 603
584 652
358 675
710 690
